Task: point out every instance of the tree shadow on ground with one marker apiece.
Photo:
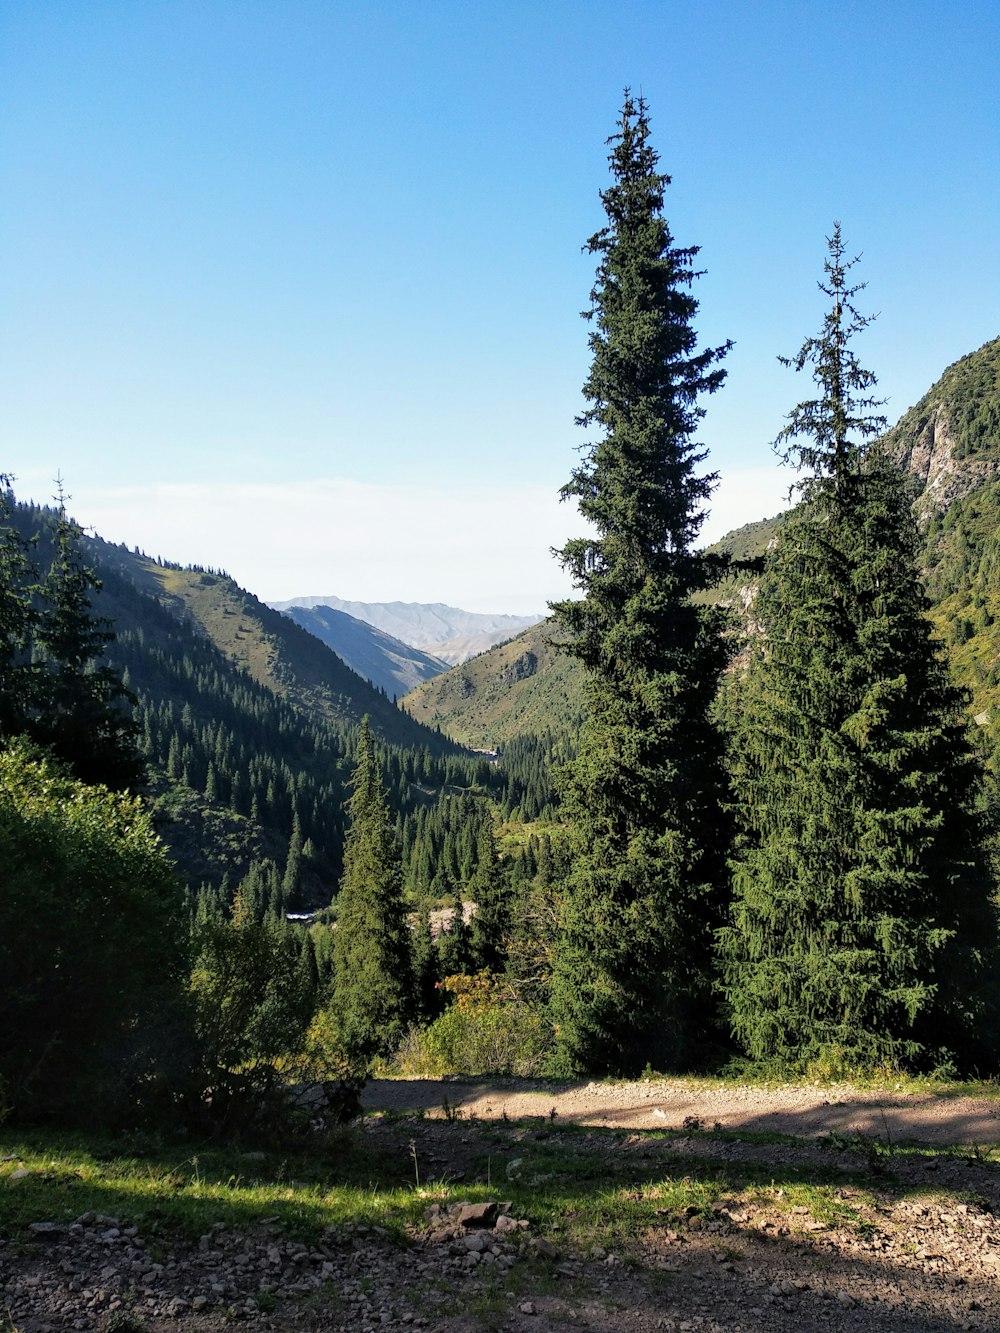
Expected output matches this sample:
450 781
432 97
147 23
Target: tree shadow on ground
707 1223
924 1117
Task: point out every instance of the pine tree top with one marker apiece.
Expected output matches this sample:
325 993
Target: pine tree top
829 435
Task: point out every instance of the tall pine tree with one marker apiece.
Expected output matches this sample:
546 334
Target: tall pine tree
490 891
632 973
864 925
85 712
17 620
373 993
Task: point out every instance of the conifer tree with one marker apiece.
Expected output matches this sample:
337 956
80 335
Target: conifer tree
454 945
291 881
373 994
425 968
17 618
84 712
489 891
632 979
863 925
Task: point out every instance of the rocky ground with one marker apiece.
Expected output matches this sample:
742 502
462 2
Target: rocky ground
914 1246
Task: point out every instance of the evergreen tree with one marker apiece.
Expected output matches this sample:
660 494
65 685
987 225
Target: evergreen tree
291 882
373 983
632 978
84 710
454 946
17 617
489 891
429 1000
863 923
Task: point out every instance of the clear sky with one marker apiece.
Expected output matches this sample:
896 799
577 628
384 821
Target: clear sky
292 288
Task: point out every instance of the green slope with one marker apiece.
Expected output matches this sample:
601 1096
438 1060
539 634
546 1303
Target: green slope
520 687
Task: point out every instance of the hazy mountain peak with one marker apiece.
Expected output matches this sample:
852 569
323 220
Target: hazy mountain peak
446 632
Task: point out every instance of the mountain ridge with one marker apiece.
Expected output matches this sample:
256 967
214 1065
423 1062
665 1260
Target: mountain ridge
443 631
386 662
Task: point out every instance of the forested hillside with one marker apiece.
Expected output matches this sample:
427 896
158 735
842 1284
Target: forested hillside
249 725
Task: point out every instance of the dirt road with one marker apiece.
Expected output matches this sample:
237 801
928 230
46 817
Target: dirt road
893 1115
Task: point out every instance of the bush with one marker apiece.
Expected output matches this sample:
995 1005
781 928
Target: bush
486 1029
92 946
252 998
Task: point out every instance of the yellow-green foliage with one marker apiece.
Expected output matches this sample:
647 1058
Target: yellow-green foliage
485 1030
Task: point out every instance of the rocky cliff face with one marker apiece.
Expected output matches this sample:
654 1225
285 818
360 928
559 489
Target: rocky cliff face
950 441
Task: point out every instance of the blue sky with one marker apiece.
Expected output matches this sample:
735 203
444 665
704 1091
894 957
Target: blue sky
293 288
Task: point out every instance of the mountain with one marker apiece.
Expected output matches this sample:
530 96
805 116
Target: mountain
389 664
273 650
949 443
523 686
445 632
249 724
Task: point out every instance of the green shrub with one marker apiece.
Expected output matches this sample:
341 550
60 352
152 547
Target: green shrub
252 1000
485 1030
92 945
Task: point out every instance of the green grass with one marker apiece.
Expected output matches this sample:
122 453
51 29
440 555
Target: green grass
577 1186
183 1188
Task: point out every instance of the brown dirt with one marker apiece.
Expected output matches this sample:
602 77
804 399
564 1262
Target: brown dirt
664 1104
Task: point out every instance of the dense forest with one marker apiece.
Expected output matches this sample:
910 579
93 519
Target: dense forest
731 804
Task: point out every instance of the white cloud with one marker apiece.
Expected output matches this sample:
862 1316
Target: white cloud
745 495
482 548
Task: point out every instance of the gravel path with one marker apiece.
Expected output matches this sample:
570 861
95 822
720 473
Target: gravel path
667 1104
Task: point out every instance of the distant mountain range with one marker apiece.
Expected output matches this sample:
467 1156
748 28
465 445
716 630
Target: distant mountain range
390 664
446 633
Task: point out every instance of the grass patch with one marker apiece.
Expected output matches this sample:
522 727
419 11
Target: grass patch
182 1189
578 1186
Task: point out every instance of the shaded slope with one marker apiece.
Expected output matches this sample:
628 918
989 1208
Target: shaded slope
387 663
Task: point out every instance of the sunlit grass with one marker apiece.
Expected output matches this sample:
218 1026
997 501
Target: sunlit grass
579 1186
69 1175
